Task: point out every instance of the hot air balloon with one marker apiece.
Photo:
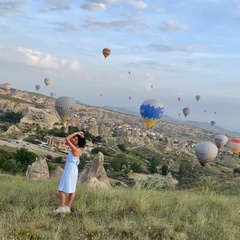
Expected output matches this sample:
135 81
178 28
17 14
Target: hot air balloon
129 72
215 113
151 111
205 110
179 99
198 97
7 87
106 52
234 145
186 111
38 87
65 106
213 123
129 98
100 94
179 115
220 140
205 152
47 81
52 94
151 86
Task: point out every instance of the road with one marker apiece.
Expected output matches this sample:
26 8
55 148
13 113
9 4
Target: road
39 150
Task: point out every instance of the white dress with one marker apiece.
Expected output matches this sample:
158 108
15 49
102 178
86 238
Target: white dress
69 177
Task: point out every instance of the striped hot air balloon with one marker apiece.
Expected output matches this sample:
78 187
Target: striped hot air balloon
65 106
205 152
234 145
151 111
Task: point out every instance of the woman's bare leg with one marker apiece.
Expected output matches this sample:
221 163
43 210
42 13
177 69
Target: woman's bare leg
71 198
62 198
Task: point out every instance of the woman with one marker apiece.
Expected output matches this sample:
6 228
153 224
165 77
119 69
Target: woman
67 185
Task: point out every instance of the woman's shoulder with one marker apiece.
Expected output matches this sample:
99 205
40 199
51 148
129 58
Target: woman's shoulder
75 154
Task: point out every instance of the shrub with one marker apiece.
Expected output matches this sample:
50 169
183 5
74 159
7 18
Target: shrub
164 170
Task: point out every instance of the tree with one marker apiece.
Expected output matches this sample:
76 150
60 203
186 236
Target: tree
164 170
185 169
136 168
99 149
25 157
83 161
97 139
116 164
122 147
154 163
10 117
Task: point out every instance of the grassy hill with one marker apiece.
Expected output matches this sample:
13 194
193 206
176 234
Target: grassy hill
207 212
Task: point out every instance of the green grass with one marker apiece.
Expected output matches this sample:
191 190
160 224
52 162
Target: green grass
26 210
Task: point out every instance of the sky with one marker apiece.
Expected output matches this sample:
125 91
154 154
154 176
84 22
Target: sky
160 50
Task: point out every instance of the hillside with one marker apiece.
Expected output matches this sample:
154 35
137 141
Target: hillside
123 138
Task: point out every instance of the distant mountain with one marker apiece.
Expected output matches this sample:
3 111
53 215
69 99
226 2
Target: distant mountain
166 118
121 110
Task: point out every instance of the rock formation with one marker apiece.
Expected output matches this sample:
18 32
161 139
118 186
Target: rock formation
38 170
94 173
12 132
57 173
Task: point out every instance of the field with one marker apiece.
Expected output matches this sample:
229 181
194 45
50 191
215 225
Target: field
210 211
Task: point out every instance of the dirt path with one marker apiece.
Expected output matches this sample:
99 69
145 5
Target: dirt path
39 150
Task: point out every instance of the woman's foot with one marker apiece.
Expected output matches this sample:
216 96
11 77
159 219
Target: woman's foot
59 209
67 209
64 209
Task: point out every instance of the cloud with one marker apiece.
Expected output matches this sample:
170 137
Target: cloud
37 59
128 23
8 7
93 6
168 26
66 27
170 48
57 5
236 10
106 2
136 4
159 9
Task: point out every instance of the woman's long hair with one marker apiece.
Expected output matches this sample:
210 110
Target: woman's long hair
81 141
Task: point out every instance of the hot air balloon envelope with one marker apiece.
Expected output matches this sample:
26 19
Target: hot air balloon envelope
38 87
47 81
234 145
65 106
151 111
220 140
205 152
186 111
198 97
213 123
7 87
106 52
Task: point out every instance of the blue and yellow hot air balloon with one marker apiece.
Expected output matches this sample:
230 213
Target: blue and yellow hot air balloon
151 111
